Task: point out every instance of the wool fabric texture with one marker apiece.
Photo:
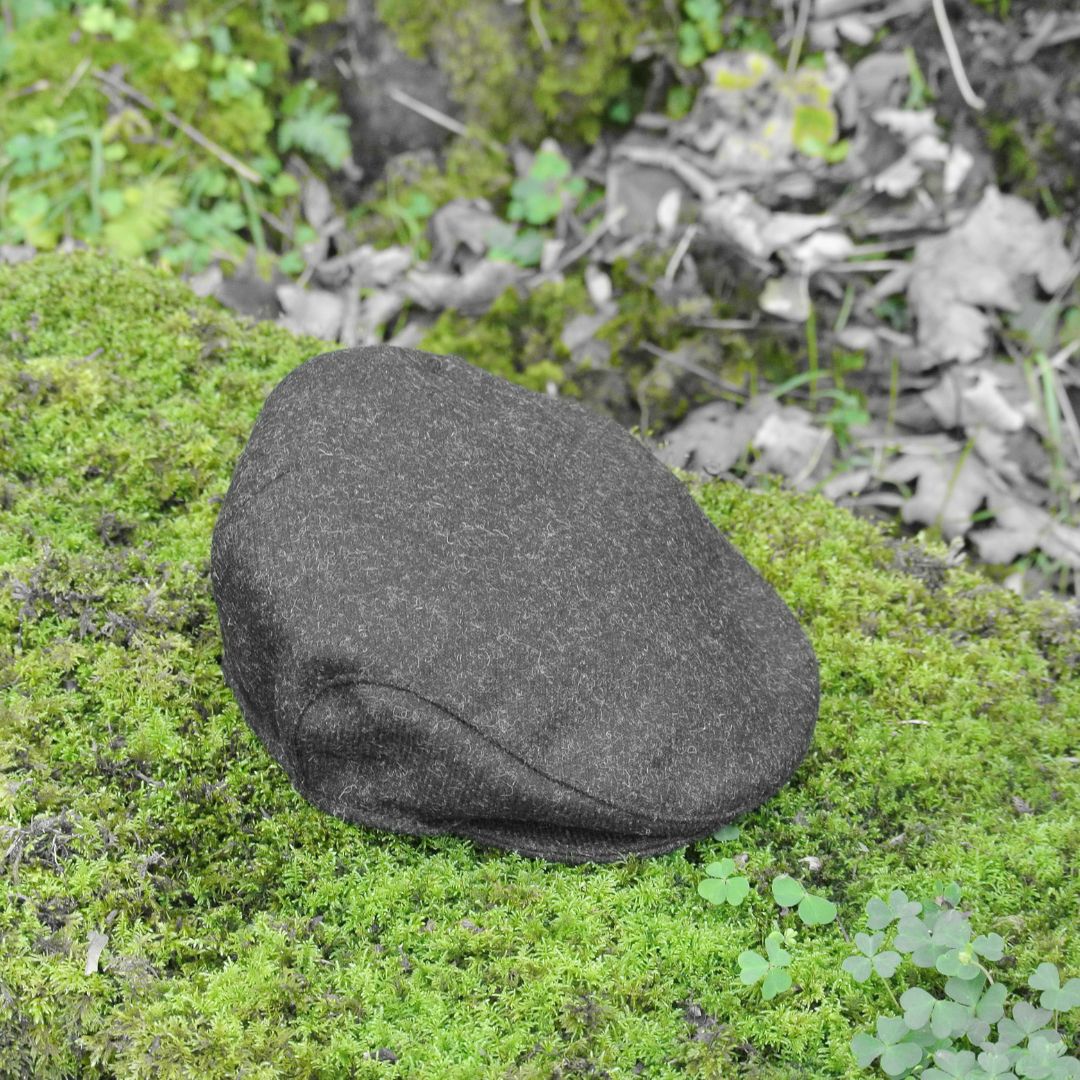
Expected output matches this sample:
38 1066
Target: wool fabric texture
449 604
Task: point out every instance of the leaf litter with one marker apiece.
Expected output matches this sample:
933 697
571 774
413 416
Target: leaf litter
843 195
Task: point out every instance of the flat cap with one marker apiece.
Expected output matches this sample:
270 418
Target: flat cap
449 604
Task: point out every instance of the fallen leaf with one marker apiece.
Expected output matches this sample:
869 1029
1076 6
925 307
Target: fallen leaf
881 79
790 443
985 403
581 329
1020 527
819 250
316 202
667 210
462 222
787 297
644 194
598 285
97 942
471 293
944 494
375 312
310 311
713 437
974 265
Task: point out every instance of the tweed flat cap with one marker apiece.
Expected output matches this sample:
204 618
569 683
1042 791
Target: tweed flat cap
449 604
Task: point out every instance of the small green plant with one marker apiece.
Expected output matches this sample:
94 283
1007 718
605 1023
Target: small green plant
536 199
99 19
311 125
548 188
933 934
156 177
847 410
813 910
770 970
919 93
720 887
699 34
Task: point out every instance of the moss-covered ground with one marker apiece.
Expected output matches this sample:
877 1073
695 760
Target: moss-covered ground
249 934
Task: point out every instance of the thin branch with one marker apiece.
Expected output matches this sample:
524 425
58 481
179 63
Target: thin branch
538 26
196 136
73 80
578 250
868 266
953 53
679 254
800 35
703 186
428 112
1054 366
689 365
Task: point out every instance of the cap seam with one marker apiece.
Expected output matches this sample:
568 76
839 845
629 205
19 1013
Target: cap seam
355 680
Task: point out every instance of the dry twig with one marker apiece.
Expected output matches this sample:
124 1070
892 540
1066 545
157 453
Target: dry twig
196 136
953 53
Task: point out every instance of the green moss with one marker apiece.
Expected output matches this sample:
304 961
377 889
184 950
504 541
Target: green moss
1017 168
43 53
250 933
402 201
504 77
519 337
82 158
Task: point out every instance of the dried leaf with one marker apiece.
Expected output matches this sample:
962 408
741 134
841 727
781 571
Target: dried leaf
790 443
316 203
787 297
975 265
739 218
599 286
984 403
581 329
640 191
667 209
944 494
471 293
375 312
468 222
713 437
315 311
97 942
819 250
880 79
1019 527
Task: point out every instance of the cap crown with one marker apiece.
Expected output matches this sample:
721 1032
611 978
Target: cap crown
451 604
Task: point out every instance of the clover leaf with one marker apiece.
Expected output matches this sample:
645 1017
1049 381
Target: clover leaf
1027 1018
996 1065
1044 1058
933 936
936 934
897 1053
946 1018
955 1064
984 1009
861 967
720 887
1054 996
813 910
960 962
539 196
881 913
754 967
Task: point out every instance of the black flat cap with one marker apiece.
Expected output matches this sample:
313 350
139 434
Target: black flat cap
449 604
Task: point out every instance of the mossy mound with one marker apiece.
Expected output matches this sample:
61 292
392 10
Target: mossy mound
171 906
529 70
